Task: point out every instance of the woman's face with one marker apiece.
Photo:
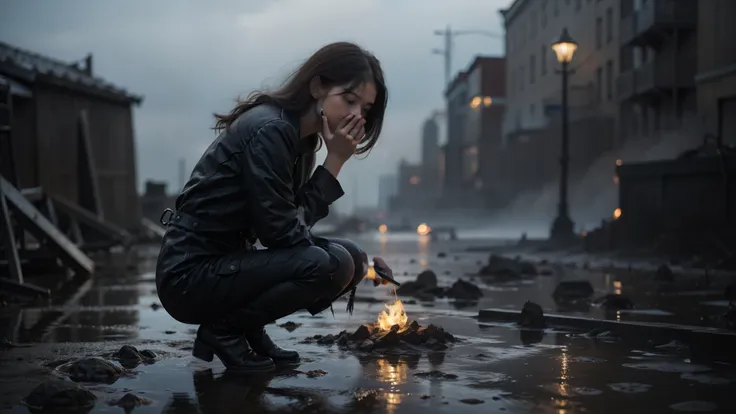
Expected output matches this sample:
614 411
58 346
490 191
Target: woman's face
340 102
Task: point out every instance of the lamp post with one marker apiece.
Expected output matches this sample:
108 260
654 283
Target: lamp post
563 226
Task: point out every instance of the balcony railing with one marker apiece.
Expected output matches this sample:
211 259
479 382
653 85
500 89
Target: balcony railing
657 15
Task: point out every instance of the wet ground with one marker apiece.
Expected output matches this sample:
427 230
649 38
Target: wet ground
494 368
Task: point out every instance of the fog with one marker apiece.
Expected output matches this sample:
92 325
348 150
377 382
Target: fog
593 197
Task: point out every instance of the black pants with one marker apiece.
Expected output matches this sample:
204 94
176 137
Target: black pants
256 287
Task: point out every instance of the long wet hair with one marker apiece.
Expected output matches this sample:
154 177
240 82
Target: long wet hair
337 64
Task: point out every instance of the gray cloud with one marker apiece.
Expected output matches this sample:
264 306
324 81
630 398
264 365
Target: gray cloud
191 58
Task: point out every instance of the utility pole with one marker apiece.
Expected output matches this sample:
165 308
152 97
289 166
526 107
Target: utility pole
449 35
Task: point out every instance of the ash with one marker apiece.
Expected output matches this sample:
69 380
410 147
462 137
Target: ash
371 337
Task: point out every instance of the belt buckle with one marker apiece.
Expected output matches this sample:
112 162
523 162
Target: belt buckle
166 216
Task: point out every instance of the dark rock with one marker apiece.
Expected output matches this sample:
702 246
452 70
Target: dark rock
289 326
546 272
130 356
408 288
386 340
615 302
130 401
427 279
326 340
501 267
441 254
664 274
411 337
155 306
366 346
92 369
316 373
464 290
472 401
363 332
435 374
440 292
57 395
532 316
573 291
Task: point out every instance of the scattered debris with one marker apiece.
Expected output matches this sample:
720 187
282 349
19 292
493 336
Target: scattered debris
130 401
571 292
130 357
425 288
532 316
369 337
314 373
155 306
472 401
58 395
435 374
503 267
92 369
289 326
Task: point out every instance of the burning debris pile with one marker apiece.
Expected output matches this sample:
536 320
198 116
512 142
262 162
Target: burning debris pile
392 331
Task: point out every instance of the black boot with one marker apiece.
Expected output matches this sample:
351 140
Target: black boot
231 348
263 345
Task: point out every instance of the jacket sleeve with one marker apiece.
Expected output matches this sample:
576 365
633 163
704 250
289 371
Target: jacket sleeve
281 217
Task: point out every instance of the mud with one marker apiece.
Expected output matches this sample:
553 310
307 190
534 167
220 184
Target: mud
493 368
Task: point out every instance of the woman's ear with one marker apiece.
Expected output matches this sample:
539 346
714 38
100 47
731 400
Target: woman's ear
315 87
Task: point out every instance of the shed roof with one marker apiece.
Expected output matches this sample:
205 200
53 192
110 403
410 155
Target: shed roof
30 67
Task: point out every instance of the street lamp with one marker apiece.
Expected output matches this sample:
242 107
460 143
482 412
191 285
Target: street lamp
563 226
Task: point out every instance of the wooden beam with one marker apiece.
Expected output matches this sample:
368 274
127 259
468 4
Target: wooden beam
87 178
8 241
87 218
39 226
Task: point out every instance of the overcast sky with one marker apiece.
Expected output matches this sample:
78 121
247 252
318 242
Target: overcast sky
192 58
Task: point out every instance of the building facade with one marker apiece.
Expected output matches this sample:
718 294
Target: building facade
457 98
656 84
716 68
430 176
386 191
534 87
475 106
532 122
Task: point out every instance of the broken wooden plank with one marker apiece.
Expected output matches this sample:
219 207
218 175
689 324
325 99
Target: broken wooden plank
39 226
87 218
8 241
88 183
25 289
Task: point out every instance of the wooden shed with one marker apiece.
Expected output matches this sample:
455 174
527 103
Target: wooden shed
52 102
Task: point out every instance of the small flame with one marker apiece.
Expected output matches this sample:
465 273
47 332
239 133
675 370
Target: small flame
423 229
382 228
392 315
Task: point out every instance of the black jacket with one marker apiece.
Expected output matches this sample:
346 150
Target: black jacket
253 182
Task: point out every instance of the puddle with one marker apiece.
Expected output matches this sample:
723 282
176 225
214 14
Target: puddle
630 387
679 367
649 312
705 379
507 369
695 406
